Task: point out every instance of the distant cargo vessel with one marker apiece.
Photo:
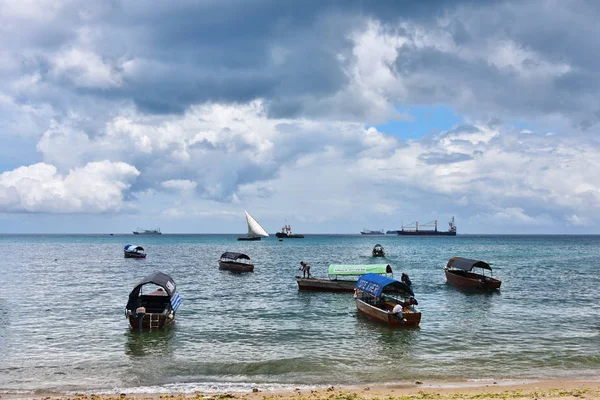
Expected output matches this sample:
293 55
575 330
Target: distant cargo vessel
368 232
413 230
140 231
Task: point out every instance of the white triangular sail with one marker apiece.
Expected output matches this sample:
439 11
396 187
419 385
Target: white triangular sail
254 228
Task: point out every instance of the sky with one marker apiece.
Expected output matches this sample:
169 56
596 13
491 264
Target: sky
331 116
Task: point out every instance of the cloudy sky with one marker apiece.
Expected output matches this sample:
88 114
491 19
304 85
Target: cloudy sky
331 115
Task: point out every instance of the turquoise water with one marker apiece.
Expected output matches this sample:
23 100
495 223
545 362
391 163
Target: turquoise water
62 325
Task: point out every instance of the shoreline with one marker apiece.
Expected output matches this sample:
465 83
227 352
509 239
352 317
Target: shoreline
560 389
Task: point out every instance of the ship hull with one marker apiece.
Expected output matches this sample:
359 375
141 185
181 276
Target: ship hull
426 233
286 236
325 285
235 266
249 238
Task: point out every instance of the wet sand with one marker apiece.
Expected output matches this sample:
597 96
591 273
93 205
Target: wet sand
553 389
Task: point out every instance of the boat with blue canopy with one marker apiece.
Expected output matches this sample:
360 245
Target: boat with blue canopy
134 251
153 302
386 300
342 277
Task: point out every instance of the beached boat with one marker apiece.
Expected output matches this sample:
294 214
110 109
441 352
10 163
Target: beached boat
342 278
235 262
459 272
255 231
378 251
286 233
134 251
370 232
386 300
140 231
156 308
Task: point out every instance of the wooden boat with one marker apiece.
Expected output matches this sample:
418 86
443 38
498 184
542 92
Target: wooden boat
342 278
386 300
134 251
378 251
155 309
255 231
459 272
235 262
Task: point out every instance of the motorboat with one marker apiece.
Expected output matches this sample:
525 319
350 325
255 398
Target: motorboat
342 278
460 272
134 251
386 300
153 302
235 262
378 251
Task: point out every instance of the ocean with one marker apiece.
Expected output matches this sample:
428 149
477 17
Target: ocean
63 328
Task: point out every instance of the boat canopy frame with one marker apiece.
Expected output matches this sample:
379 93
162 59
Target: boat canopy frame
376 285
132 248
229 255
467 264
357 270
157 278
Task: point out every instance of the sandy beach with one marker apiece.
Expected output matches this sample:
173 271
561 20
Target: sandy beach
553 389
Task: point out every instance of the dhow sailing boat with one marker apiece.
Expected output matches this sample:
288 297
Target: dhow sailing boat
255 231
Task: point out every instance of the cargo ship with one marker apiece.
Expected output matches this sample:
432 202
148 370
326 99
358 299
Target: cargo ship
414 230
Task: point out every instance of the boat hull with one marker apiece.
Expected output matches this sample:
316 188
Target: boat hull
410 318
470 280
235 267
250 239
325 285
286 236
134 255
426 233
150 321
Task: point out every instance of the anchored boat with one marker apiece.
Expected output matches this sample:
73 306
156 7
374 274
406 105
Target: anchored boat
417 230
134 251
386 300
140 231
342 278
459 272
286 233
153 302
378 251
235 262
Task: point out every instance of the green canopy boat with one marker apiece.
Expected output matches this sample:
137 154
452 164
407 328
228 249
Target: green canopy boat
342 277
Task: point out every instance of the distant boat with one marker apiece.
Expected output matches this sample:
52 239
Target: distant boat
286 232
369 232
134 251
255 231
235 262
378 251
416 230
140 231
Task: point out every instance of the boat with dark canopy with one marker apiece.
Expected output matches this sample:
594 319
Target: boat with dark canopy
134 251
459 272
342 278
378 251
386 300
155 308
235 262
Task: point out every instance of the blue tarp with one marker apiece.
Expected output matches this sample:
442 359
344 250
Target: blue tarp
133 248
376 284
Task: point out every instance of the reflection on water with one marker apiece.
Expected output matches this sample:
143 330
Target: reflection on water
157 342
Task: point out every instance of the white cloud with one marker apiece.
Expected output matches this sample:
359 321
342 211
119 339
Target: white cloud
96 187
85 69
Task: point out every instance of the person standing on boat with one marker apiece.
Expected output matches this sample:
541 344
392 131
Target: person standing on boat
305 269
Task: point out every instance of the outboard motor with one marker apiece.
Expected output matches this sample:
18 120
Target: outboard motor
140 312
